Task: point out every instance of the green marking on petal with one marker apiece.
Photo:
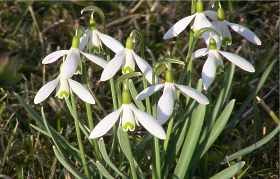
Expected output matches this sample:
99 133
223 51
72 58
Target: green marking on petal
128 126
62 94
212 44
127 69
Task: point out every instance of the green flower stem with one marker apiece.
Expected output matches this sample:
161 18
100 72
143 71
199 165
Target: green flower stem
91 126
168 133
73 110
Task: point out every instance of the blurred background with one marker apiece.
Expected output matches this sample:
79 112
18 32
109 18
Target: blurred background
31 30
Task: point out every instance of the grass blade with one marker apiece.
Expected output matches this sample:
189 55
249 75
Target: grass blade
103 171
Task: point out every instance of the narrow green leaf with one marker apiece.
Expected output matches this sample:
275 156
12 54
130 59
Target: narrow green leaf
103 171
218 126
191 141
263 79
67 165
106 157
229 172
254 146
134 93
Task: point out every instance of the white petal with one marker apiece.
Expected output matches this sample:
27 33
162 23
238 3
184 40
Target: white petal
201 22
45 91
166 103
209 71
238 61
199 53
54 56
222 27
95 59
105 124
246 33
193 93
81 91
211 14
95 40
144 67
113 66
149 123
84 39
149 91
111 43
71 63
178 27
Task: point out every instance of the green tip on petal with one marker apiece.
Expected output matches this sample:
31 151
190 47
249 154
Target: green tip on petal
212 44
226 41
75 42
128 126
199 6
221 14
129 43
62 94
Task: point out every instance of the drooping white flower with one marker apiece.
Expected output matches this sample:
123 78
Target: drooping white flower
214 59
166 101
63 88
124 58
199 19
72 58
129 116
223 26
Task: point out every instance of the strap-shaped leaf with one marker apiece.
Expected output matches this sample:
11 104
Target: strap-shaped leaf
229 172
191 141
218 127
103 171
67 165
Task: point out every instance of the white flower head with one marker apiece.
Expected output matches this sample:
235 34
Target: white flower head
125 58
129 117
199 19
63 87
214 59
166 102
223 26
72 58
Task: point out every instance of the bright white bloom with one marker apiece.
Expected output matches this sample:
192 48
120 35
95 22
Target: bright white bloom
124 58
72 58
199 19
129 116
63 87
166 102
214 59
223 26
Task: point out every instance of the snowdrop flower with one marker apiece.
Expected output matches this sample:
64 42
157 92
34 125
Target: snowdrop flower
223 26
129 117
199 18
166 101
93 37
214 59
72 58
63 87
125 58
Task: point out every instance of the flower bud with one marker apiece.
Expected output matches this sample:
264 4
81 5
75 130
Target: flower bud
75 42
221 14
199 6
129 43
126 98
169 76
